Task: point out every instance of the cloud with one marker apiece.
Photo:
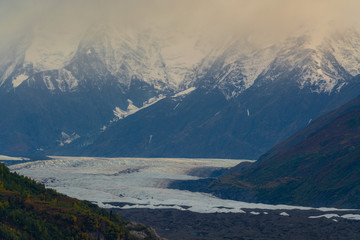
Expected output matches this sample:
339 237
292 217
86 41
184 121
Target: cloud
264 20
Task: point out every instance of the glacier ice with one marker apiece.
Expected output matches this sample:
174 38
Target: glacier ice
136 182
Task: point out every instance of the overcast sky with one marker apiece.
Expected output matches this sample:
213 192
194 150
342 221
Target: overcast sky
263 19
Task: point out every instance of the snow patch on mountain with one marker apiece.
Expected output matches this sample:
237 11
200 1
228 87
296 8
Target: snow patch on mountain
185 92
67 139
131 109
19 79
49 84
66 81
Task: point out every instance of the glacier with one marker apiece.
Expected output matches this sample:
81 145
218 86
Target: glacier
137 183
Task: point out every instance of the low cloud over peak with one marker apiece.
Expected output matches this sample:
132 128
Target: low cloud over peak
265 21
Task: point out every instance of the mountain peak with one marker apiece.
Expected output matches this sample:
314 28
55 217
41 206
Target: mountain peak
174 60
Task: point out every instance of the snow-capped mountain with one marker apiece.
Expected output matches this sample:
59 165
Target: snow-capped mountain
322 65
315 67
107 79
246 100
159 60
177 62
80 85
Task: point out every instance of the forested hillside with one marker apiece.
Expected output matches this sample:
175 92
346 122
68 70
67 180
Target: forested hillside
29 211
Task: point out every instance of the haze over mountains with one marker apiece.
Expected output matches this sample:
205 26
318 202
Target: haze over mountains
116 84
152 94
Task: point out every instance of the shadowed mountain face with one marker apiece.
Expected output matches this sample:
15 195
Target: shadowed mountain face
206 124
318 166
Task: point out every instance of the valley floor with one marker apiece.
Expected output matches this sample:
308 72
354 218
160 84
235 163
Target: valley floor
254 224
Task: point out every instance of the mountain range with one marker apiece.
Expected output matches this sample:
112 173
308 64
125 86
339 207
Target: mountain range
126 93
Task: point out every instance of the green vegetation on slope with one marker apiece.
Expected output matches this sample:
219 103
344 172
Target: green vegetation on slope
29 211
